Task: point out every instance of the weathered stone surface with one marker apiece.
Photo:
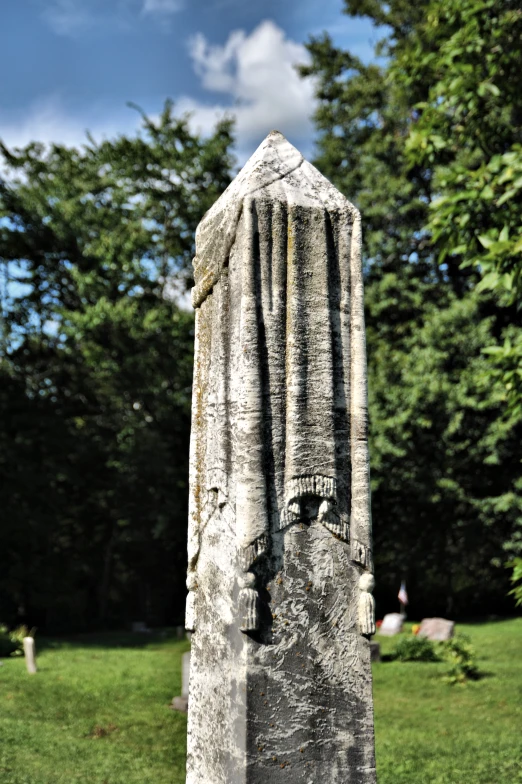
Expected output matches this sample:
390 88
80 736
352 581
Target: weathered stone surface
279 547
391 624
437 629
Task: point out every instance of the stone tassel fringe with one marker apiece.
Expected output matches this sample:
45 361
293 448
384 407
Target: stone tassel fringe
248 611
366 604
324 486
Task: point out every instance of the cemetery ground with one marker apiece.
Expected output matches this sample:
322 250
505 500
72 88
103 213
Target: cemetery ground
97 712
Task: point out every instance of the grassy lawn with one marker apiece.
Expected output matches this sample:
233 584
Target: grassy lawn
97 712
428 732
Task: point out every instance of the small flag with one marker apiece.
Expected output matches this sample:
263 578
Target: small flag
403 596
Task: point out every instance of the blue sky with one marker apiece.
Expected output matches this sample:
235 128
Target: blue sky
72 65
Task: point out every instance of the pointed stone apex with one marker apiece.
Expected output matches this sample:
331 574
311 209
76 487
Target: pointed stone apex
279 164
274 159
276 172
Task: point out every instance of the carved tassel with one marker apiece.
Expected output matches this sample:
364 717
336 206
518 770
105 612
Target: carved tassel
190 608
248 612
361 553
366 604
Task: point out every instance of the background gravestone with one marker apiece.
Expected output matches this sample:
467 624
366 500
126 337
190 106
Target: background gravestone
437 629
180 702
392 624
29 653
280 566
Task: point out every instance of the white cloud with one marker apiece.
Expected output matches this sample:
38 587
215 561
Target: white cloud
47 121
162 7
257 72
252 77
73 17
68 17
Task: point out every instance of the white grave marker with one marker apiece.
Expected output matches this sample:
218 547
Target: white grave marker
29 654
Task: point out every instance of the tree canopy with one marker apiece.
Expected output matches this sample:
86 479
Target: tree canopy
425 140
96 370
96 346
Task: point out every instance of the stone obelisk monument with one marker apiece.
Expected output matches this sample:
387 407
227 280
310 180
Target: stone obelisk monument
280 565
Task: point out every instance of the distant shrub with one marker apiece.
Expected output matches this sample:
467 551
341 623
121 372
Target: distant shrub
414 648
461 655
11 642
458 652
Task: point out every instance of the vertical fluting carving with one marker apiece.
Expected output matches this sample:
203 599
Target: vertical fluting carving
280 561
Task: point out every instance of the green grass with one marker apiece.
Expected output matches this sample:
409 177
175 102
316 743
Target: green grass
97 712
429 732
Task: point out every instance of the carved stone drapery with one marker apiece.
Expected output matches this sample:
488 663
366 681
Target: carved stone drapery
279 452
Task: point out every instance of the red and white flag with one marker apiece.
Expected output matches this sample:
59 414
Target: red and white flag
403 596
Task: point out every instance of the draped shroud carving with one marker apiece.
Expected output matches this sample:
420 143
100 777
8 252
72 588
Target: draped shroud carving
279 431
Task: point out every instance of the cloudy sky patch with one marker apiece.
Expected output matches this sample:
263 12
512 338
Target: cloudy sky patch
75 64
256 75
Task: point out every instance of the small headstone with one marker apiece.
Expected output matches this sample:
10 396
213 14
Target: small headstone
29 655
437 629
375 652
181 703
185 673
392 624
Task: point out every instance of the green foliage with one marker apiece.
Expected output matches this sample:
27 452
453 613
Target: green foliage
457 651
462 61
461 655
516 579
11 642
411 648
7 645
468 128
96 371
443 348
505 368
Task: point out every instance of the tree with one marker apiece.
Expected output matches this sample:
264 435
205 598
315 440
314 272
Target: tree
446 480
96 370
463 61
